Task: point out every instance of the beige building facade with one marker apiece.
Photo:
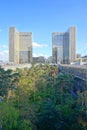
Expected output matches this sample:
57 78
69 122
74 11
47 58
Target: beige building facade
20 46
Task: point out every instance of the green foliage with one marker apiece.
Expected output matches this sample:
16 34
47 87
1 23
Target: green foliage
40 98
49 118
25 125
8 116
8 80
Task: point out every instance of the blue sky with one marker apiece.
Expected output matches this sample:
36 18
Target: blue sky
42 17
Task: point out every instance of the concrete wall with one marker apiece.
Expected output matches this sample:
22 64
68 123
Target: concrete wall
75 70
80 76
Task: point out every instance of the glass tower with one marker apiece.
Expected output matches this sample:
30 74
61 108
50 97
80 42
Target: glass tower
64 46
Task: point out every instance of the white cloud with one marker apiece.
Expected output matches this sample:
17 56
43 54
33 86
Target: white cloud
4 46
4 55
4 52
40 54
1 54
37 45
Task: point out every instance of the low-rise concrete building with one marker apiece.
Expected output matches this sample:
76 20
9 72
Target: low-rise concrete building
39 59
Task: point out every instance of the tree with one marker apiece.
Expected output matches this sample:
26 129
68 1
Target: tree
8 117
8 81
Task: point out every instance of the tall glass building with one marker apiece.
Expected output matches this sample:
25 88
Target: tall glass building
64 46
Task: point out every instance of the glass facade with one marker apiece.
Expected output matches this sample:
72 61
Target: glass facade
23 56
66 50
64 46
57 40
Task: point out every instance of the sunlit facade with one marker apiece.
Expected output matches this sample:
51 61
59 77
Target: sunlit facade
20 46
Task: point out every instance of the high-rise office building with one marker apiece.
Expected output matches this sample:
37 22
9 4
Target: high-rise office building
64 46
20 46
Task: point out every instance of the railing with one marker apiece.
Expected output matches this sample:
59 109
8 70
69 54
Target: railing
78 71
